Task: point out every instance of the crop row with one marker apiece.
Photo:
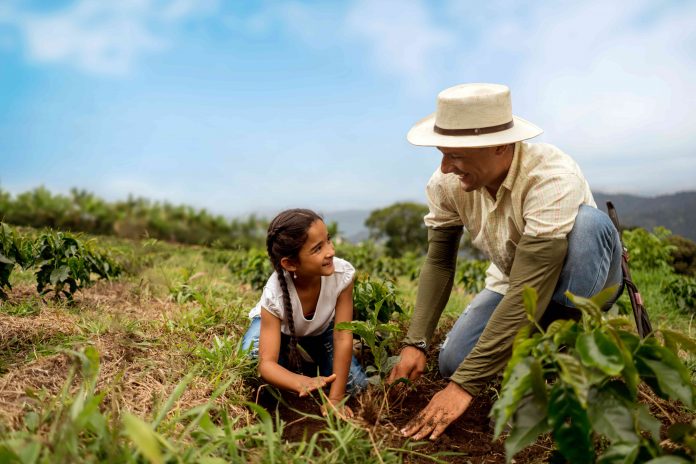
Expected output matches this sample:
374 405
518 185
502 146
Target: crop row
63 262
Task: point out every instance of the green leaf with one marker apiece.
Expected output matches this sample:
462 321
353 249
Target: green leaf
597 350
570 424
668 460
621 453
611 418
586 305
512 391
573 374
665 373
603 297
647 422
530 298
678 338
59 275
529 422
144 437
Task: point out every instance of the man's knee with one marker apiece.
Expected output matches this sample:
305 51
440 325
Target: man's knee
592 222
447 361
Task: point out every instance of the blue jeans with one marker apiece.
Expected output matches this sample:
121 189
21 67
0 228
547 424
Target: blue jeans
593 263
320 348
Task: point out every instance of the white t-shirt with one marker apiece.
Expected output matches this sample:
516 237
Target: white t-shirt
331 288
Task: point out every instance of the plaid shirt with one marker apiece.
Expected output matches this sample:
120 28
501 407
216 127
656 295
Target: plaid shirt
539 197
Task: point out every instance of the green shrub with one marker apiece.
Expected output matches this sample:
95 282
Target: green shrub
254 268
648 250
579 381
471 275
371 295
682 290
65 261
683 255
14 250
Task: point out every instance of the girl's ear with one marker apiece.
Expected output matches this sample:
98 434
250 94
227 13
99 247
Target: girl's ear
288 264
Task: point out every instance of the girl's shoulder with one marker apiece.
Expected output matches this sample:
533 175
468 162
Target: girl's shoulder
342 266
343 275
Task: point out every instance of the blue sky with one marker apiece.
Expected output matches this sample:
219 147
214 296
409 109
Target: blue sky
246 106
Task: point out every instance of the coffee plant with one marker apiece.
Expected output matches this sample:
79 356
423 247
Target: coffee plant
649 250
375 299
471 275
14 250
682 290
254 268
66 264
579 381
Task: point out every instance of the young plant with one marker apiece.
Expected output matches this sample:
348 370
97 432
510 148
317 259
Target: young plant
579 381
374 299
254 268
65 261
14 250
375 303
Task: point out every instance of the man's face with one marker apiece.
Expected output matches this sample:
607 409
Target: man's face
477 167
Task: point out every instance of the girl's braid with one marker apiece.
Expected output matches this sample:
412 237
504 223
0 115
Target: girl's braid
294 358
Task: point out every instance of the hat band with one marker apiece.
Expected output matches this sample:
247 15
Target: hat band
477 131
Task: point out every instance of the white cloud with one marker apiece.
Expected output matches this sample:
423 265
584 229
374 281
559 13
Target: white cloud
611 83
402 38
101 37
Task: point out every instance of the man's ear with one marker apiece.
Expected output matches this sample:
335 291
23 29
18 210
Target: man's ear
503 149
288 264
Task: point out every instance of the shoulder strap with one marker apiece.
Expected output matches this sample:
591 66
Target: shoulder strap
639 312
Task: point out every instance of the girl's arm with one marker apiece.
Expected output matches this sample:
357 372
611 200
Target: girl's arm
274 373
343 345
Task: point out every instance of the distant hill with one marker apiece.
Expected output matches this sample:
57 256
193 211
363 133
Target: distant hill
676 212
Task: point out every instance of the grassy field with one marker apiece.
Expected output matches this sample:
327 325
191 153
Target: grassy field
147 368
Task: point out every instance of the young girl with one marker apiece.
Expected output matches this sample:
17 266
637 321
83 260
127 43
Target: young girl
308 293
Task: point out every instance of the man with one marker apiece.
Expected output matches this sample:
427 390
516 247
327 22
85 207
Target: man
530 209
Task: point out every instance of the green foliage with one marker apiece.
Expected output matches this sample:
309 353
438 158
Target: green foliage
371 258
82 211
682 291
648 250
375 299
401 225
683 255
253 268
374 304
578 380
471 275
14 250
63 260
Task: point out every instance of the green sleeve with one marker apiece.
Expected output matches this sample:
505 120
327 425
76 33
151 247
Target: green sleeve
434 284
537 264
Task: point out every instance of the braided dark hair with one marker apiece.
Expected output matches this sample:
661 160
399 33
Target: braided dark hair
287 232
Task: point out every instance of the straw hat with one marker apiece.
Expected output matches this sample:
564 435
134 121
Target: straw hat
472 115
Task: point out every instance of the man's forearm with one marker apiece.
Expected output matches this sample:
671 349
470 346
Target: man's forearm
434 284
538 263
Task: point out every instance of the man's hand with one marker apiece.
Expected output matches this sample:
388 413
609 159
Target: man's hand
445 407
411 365
309 384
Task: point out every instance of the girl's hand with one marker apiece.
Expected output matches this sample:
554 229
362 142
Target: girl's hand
343 411
309 384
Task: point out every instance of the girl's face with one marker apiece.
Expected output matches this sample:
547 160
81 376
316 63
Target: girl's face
317 253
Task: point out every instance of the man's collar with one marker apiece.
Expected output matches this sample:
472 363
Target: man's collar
514 168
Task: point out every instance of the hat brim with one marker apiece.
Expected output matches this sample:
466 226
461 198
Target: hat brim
424 135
